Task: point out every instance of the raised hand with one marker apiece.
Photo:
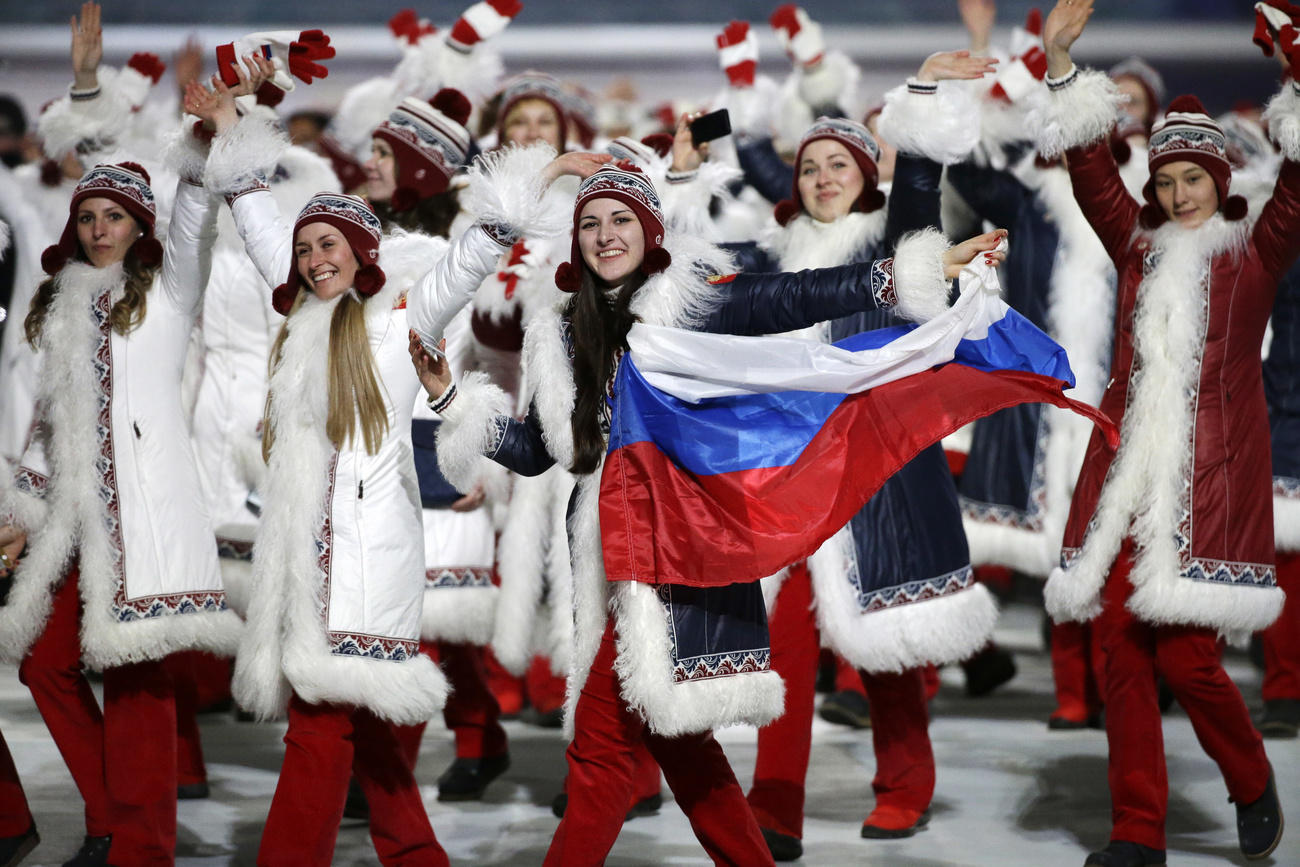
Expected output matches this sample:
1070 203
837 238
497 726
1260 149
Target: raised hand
1063 26
433 370
256 71
955 65
87 46
187 63
576 163
686 156
958 257
979 17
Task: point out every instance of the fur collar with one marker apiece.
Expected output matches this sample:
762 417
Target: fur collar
808 243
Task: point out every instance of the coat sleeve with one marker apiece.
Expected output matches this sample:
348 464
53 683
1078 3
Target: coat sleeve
1105 201
187 253
267 238
994 194
764 169
449 285
914 197
477 428
1277 232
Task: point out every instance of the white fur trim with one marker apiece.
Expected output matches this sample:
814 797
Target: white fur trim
942 126
772 585
1075 115
521 566
237 579
1069 599
805 243
101 122
1286 523
590 592
23 509
1164 598
407 256
184 154
459 615
686 204
1027 551
833 82
1283 118
506 187
469 429
244 156
918 275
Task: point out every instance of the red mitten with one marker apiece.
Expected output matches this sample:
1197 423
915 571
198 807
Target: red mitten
738 53
147 65
406 25
311 45
1028 63
482 21
799 35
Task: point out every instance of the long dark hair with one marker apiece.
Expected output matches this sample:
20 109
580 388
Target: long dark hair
432 216
599 320
126 315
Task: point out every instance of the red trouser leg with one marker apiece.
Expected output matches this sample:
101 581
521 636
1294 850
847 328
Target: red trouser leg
507 689
645 774
846 677
781 766
52 671
408 742
471 711
140 762
1073 658
399 824
545 689
183 669
1282 639
930 679
599 783
900 721
15 815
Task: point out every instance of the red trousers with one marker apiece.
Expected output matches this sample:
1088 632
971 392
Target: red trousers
1188 659
325 746
200 680
1282 639
544 690
123 760
471 711
15 815
601 763
1078 667
904 781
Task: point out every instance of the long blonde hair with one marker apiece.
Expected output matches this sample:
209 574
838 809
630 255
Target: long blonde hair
353 384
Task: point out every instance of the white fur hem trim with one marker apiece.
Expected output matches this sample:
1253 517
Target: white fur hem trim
918 275
506 188
1227 608
942 126
1014 547
1286 524
237 579
1283 118
459 615
1075 115
404 693
244 157
469 429
106 643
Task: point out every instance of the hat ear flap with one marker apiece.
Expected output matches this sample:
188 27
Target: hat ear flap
1234 208
148 251
786 210
567 278
283 297
871 200
656 259
369 280
1151 216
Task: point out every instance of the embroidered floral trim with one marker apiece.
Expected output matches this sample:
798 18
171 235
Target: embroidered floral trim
373 646
696 668
882 282
1031 517
30 482
501 234
914 591
457 576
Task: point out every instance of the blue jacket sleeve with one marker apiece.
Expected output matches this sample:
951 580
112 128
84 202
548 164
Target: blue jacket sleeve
749 257
995 195
772 303
764 169
520 447
913 199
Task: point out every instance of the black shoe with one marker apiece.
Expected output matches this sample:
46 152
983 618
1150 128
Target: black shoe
93 852
875 832
1256 651
987 670
846 708
192 791
559 804
1164 696
466 779
782 846
355 806
647 806
825 682
1064 724
14 849
1259 823
551 719
1122 853
1281 718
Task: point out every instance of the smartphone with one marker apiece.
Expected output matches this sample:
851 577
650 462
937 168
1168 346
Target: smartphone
708 127
226 61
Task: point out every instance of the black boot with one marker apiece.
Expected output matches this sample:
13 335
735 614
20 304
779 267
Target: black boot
782 846
847 708
466 779
93 852
192 791
1281 718
1259 823
14 849
355 806
1122 853
647 806
987 670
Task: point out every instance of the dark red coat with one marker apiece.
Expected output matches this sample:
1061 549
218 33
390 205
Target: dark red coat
1203 526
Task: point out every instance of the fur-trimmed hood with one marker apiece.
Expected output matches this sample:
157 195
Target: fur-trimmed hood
807 243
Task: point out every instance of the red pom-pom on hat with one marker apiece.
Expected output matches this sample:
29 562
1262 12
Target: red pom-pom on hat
283 297
1234 208
148 251
369 280
660 142
786 210
1187 104
52 259
872 199
452 103
656 259
567 278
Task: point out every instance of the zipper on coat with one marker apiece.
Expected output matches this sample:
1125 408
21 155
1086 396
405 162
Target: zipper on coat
135 427
361 489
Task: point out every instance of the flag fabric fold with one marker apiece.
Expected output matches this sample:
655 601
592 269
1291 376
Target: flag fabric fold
731 457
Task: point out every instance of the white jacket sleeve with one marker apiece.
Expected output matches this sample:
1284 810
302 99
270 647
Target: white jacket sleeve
268 240
187 251
448 286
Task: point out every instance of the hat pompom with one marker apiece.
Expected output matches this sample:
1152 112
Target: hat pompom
1234 208
53 259
404 198
452 103
659 142
138 169
283 296
369 280
148 251
51 174
1187 104
566 278
1152 216
871 200
656 259
786 210
1120 150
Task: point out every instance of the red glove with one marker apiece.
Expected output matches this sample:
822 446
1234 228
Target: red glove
799 35
738 53
1275 25
147 65
406 25
1028 64
312 45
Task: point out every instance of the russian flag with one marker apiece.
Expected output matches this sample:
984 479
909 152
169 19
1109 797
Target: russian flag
731 457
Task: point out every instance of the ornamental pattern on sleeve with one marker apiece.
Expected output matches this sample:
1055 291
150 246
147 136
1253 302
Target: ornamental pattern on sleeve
882 283
455 577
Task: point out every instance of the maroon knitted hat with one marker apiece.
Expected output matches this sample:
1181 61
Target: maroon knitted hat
861 146
620 180
352 216
1187 133
126 184
430 142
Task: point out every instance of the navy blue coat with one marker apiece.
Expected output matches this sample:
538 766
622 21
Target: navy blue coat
1282 382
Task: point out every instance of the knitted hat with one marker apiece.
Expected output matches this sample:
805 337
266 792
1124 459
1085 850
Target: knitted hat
1146 76
1187 133
623 181
430 143
360 227
533 85
643 153
861 146
126 184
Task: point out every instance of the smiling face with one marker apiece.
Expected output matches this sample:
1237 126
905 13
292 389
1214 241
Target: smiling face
610 240
381 171
829 180
1186 193
533 120
106 231
325 261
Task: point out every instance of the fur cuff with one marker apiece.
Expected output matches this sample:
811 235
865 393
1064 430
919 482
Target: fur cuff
506 189
918 275
185 154
1069 599
98 122
831 83
469 429
1079 109
940 123
686 203
1283 119
243 157
1286 523
133 86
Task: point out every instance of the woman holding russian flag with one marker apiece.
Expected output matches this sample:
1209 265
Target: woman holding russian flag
1169 544
662 664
